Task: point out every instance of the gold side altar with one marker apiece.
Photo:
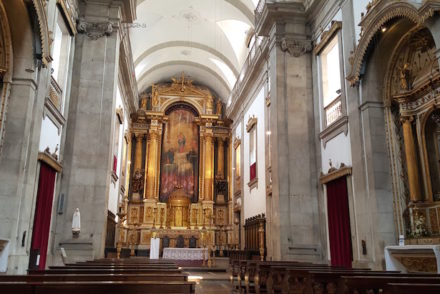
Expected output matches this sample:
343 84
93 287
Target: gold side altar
173 190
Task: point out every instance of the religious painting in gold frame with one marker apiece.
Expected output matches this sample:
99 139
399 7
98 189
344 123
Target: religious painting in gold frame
180 153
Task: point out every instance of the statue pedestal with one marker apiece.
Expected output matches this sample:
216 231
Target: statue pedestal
77 250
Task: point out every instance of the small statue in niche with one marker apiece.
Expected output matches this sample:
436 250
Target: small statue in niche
419 225
137 181
218 108
405 73
154 96
144 102
76 223
209 103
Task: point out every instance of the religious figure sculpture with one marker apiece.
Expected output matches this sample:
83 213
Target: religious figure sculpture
144 102
218 109
137 182
209 103
76 223
405 77
155 96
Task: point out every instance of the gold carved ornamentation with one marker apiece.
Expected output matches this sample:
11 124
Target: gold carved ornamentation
68 10
377 16
252 121
419 264
46 41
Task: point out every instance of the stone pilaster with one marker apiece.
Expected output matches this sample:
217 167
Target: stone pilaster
89 134
294 217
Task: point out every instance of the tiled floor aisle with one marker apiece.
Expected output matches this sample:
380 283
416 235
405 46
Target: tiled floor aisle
212 282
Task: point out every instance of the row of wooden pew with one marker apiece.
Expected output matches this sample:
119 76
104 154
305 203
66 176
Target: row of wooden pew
133 275
251 276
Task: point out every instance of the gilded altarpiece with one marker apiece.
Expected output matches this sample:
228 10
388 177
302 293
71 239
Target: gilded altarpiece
178 141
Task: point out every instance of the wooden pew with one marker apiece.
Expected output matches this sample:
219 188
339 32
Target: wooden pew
97 287
377 283
95 277
407 288
62 271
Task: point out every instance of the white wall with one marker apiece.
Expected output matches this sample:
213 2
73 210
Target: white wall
255 199
49 136
338 150
115 187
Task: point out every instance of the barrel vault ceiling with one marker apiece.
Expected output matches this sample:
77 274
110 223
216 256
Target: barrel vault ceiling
206 39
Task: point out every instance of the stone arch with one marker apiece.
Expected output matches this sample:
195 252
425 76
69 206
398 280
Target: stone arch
40 9
378 14
6 58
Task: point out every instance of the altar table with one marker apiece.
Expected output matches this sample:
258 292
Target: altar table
413 258
185 253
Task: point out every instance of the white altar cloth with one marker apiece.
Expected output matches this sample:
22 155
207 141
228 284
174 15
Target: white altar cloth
154 248
393 264
185 253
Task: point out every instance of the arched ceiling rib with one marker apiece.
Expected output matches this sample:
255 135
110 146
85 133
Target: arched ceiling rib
201 46
199 73
202 36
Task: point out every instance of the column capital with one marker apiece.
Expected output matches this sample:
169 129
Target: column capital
139 136
295 46
96 30
406 119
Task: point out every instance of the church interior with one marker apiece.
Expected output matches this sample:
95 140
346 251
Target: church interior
220 146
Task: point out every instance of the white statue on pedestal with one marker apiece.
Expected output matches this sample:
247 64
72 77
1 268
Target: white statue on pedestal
76 223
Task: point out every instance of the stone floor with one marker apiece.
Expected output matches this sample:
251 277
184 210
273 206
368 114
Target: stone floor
211 282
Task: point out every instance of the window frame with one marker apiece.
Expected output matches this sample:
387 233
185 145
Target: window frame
251 128
339 124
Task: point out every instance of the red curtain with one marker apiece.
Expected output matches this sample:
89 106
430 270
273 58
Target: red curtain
43 212
339 223
115 163
253 171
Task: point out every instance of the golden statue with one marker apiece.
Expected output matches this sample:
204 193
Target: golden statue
144 102
209 102
155 96
218 109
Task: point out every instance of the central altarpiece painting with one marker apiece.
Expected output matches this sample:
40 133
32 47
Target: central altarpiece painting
180 154
178 146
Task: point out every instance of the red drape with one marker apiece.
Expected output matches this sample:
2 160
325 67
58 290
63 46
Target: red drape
43 212
115 163
253 171
339 223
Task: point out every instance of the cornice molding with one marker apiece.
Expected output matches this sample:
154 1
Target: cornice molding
334 174
269 12
252 121
327 36
49 160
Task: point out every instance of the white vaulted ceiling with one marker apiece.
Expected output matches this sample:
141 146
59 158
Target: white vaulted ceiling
204 38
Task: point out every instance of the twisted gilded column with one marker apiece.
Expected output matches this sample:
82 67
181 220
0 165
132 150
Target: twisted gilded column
152 164
220 158
411 160
138 152
137 177
209 167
